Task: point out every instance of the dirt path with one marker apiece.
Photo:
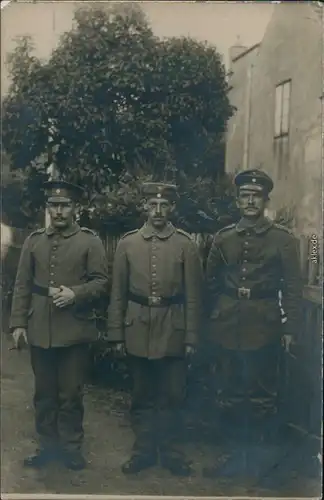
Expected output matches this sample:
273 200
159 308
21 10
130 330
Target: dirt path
107 446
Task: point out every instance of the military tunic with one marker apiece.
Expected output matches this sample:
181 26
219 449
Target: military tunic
76 259
155 264
150 264
264 260
59 337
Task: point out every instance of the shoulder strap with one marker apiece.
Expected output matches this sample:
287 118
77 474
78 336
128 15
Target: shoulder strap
282 228
128 233
89 231
181 231
38 231
226 228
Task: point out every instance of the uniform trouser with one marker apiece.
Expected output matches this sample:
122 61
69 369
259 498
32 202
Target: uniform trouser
158 394
58 399
246 371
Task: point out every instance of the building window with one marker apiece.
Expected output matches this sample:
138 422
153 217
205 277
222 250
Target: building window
281 127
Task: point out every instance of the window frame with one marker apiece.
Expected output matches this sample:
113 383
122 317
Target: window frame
281 133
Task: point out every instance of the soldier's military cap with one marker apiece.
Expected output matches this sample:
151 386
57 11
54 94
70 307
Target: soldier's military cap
62 191
159 190
254 179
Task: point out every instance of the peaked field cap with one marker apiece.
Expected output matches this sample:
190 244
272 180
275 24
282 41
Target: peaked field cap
160 190
58 189
254 178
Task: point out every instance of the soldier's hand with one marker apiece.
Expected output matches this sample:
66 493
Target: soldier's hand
287 341
19 338
119 349
65 297
189 351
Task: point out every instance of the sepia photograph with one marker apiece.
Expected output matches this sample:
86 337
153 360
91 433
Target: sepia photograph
161 249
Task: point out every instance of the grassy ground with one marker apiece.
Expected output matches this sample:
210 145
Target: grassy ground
107 446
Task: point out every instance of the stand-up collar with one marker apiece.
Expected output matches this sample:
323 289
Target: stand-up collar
75 228
147 231
261 225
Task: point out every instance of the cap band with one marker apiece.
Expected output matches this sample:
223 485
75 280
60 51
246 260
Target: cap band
253 187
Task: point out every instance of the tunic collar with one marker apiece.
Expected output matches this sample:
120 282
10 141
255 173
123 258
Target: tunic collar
75 228
261 226
148 231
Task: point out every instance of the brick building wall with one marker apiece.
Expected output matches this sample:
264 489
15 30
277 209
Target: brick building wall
283 136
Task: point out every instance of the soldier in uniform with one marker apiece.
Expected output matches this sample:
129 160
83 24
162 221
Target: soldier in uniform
154 315
62 273
248 264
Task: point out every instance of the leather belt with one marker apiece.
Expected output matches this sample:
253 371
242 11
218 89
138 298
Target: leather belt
156 301
44 291
248 294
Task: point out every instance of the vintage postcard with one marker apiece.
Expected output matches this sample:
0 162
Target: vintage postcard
161 249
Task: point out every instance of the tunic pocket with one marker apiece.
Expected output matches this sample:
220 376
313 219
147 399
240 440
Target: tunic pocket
128 322
225 307
132 314
178 317
272 313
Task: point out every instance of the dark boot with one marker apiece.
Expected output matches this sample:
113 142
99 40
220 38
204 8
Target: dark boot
139 462
41 458
74 460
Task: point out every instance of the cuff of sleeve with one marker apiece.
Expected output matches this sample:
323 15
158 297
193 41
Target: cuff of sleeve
287 329
78 295
17 324
115 335
190 339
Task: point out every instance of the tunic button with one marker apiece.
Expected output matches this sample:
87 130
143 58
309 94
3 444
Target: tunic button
154 265
243 278
153 256
246 243
51 282
244 260
51 274
244 270
153 293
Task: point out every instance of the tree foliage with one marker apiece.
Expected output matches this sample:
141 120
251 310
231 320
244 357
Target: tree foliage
123 103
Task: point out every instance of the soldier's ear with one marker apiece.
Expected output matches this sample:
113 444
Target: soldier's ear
76 210
144 204
173 206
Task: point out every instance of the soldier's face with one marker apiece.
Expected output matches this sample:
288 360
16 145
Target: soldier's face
158 211
61 213
251 203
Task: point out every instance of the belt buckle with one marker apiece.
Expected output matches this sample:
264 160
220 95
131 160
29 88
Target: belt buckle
244 293
154 301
